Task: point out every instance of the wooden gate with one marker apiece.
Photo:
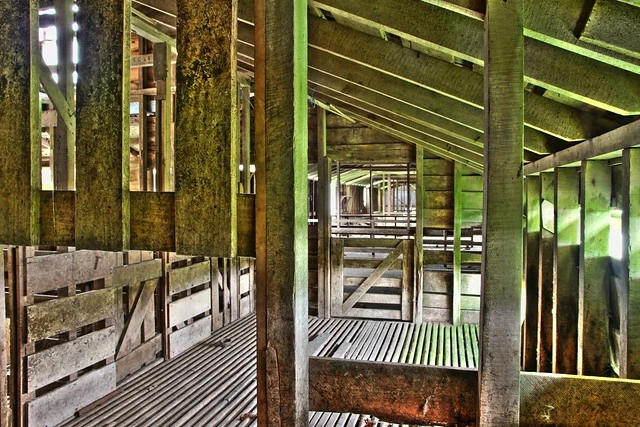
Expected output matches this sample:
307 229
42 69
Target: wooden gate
372 278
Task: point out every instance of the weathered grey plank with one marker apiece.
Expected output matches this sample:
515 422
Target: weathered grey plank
19 123
60 404
188 307
133 361
184 338
46 273
188 277
207 134
502 234
102 111
65 314
136 273
138 310
47 366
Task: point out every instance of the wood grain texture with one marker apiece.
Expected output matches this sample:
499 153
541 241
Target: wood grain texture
188 277
545 274
54 363
502 234
53 317
281 211
187 337
60 404
19 123
188 307
530 336
102 111
324 218
629 312
394 392
593 320
152 221
57 218
565 270
207 134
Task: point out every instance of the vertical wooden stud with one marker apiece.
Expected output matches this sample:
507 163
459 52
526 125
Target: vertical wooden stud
65 142
245 136
4 407
163 72
545 273
102 146
19 123
630 304
419 247
281 212
457 236
324 219
499 367
593 320
565 270
530 352
206 145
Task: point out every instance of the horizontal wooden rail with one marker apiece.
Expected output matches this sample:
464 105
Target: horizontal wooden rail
152 221
419 394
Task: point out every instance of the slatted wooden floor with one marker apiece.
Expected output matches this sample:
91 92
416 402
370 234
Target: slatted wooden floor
214 383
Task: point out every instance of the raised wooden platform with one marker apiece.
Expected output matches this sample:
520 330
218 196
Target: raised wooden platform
214 383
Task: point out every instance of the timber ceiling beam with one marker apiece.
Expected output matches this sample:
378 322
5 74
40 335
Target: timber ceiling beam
618 139
455 34
399 96
448 79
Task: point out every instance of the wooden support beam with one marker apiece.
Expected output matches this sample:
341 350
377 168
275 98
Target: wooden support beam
419 236
324 218
499 367
394 392
530 336
149 32
64 146
281 212
4 402
580 78
206 146
613 25
618 139
630 303
19 123
456 82
545 273
593 320
102 148
457 237
245 136
565 270
163 72
426 395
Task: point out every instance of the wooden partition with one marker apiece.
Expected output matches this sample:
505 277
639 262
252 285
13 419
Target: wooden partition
86 320
372 278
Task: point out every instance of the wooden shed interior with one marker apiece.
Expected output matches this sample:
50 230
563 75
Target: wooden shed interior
327 212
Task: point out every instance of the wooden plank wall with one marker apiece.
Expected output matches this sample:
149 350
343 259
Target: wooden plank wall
438 175
92 318
354 143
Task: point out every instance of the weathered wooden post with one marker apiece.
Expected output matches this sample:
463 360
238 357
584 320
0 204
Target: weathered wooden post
206 147
545 273
19 123
630 304
102 146
324 219
565 270
530 337
499 367
281 211
593 320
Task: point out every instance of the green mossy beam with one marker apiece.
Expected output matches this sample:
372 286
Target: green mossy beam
102 120
206 135
19 123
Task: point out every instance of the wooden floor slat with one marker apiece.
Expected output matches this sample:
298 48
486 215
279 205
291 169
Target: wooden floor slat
214 383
